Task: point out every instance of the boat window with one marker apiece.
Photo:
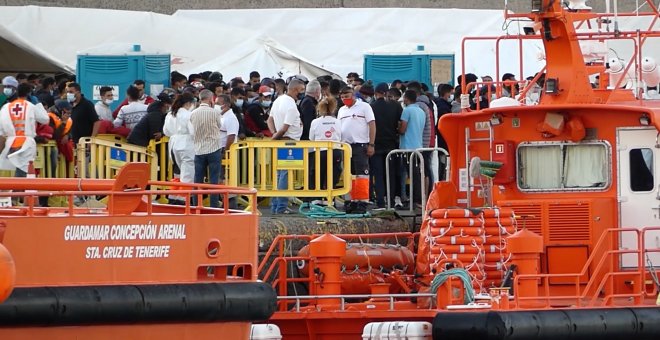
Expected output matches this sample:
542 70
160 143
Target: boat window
563 166
641 169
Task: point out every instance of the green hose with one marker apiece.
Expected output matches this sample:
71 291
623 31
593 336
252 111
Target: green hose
318 211
441 277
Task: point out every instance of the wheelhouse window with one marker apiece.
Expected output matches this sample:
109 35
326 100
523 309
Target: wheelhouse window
641 169
563 166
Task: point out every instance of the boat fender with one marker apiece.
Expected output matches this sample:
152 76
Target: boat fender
94 305
641 323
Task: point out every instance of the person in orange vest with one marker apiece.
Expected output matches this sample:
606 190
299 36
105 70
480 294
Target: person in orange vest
61 122
18 123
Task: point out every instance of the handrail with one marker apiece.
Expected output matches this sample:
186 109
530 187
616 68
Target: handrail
273 261
605 279
343 298
98 189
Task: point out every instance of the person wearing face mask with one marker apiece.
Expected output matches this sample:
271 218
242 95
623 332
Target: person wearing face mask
18 123
47 92
142 97
308 105
102 107
150 126
367 93
9 85
228 134
204 126
256 114
358 128
387 115
178 81
444 104
60 122
238 106
284 122
85 119
176 128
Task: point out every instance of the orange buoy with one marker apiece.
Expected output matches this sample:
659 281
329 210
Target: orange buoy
7 273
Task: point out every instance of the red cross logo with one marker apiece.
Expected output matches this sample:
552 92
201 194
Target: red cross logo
17 110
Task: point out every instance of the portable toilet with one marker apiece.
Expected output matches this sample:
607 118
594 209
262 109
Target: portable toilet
117 66
409 61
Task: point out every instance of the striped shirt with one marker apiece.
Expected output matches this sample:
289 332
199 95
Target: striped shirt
204 124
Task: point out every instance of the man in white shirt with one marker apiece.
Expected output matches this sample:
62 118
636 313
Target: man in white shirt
228 133
358 128
284 122
204 126
102 107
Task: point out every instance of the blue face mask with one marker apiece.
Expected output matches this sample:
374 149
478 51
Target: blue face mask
301 96
266 103
239 102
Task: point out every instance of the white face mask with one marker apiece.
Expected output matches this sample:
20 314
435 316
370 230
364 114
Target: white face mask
70 97
266 103
239 103
8 91
108 101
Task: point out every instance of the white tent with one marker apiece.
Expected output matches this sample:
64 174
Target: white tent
49 38
338 38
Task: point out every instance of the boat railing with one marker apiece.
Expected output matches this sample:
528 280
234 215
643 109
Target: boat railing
274 265
603 266
75 192
392 298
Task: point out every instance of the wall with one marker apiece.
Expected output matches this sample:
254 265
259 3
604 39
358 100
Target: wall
171 6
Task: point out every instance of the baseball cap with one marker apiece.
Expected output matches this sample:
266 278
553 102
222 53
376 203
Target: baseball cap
10 81
167 96
382 88
265 90
62 104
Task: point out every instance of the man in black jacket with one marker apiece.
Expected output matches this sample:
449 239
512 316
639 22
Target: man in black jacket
307 106
151 125
443 102
387 114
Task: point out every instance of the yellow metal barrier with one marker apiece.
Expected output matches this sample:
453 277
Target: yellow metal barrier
254 164
52 164
49 163
165 167
101 158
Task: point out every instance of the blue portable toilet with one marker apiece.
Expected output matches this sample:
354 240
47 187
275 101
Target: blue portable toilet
409 61
117 66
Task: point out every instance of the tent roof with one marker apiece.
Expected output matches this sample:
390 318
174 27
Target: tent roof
37 34
16 55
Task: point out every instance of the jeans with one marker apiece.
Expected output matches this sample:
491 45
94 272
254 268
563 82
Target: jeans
428 170
211 162
336 169
377 167
279 204
415 180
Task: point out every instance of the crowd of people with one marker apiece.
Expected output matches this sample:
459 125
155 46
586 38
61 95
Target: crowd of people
203 115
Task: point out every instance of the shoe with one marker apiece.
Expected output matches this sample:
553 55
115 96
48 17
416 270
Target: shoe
319 203
397 203
286 211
